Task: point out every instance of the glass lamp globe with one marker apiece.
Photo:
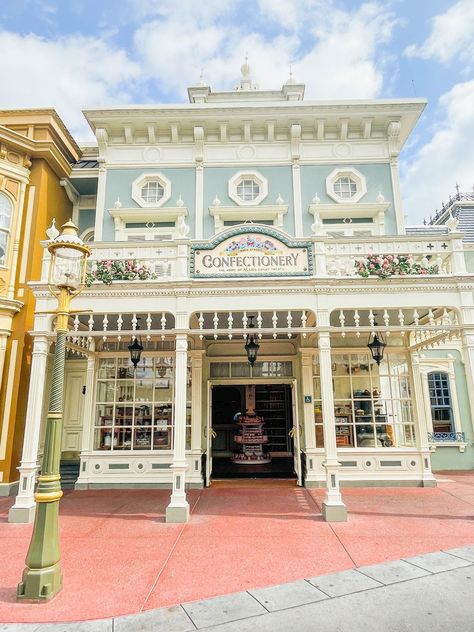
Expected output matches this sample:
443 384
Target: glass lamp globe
68 260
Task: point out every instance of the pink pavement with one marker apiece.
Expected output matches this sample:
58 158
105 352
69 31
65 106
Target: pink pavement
120 557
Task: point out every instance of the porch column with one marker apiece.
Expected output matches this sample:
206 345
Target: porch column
422 426
178 508
196 408
334 510
87 416
24 508
308 410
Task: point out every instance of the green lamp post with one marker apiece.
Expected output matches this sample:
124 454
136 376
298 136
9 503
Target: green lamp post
42 577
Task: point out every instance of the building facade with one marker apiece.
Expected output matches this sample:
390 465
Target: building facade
36 152
254 215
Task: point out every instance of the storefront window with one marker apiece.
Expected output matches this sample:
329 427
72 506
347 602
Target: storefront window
264 368
134 410
372 404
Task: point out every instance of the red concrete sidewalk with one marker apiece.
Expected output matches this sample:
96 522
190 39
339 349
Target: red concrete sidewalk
120 557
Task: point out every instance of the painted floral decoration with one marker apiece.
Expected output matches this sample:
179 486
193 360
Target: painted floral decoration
119 270
384 266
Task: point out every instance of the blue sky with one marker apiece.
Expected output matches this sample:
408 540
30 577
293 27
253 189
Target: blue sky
103 52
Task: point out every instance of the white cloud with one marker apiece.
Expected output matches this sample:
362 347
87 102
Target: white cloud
67 74
452 36
335 52
446 159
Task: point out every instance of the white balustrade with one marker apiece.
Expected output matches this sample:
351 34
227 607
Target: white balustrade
332 257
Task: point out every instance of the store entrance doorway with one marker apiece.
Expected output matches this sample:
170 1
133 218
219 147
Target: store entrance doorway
252 431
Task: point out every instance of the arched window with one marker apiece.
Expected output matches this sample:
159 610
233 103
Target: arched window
440 401
88 234
6 209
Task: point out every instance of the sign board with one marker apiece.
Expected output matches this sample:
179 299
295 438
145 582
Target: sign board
255 252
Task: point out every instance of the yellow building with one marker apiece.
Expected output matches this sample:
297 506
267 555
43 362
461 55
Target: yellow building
36 151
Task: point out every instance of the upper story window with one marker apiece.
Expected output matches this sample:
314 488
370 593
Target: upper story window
346 185
248 188
151 190
440 400
6 210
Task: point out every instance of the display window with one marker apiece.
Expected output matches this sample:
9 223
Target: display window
372 404
134 408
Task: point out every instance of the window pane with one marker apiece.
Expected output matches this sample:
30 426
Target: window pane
440 399
345 187
248 190
152 192
134 409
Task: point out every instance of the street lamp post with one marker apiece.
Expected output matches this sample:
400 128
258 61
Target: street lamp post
42 577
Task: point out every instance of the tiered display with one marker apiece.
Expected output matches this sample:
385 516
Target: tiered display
251 438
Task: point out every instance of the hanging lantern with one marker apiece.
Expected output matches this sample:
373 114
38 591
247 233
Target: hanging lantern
251 346
135 349
377 346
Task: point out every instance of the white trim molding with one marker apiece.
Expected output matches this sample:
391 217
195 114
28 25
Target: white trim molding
273 213
152 216
375 211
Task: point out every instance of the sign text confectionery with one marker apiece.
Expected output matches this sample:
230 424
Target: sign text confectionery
251 254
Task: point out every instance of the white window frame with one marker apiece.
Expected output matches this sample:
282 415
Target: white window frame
155 233
145 178
441 365
7 230
248 175
347 172
88 234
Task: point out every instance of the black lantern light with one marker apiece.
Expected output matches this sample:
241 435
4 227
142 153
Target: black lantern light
135 348
251 346
377 346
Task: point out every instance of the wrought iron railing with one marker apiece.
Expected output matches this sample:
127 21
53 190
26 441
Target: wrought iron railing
445 207
444 437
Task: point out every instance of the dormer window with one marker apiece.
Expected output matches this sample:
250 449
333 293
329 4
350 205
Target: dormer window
151 190
248 188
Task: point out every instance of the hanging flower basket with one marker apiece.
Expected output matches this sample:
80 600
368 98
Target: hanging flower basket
384 266
119 270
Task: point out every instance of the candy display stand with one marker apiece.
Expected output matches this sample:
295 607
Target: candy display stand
250 439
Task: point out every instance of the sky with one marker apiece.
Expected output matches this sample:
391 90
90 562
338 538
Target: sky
72 54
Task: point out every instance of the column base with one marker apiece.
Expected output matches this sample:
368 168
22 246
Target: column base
22 515
334 513
429 482
177 514
40 584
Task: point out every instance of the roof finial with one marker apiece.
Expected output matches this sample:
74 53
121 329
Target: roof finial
201 81
246 81
291 80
